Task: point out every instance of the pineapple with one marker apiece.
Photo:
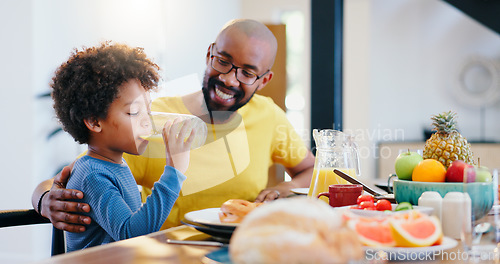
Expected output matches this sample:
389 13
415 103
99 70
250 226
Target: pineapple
447 145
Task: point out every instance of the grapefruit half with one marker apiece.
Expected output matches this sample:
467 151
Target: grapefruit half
373 232
416 230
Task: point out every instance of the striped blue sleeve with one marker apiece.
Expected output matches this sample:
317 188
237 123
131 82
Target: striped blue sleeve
114 215
158 205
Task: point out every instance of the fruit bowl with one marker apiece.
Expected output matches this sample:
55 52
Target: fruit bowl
481 193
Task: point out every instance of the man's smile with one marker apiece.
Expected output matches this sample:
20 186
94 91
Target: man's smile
223 95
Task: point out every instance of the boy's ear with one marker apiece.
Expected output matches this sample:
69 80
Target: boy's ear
92 124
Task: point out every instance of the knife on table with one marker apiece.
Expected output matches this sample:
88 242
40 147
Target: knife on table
196 243
369 190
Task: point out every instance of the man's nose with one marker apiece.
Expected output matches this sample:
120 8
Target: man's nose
229 78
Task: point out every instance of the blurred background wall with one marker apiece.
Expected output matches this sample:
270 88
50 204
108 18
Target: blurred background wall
403 62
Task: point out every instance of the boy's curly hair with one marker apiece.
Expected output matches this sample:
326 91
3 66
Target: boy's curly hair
84 86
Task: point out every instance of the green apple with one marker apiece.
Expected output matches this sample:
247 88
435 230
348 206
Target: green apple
483 174
405 163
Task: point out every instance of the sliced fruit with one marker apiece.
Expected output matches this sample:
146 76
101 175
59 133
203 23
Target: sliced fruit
416 230
373 232
403 206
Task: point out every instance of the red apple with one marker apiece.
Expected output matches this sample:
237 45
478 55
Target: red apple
455 173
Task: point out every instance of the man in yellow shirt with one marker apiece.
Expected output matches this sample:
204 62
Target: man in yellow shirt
246 134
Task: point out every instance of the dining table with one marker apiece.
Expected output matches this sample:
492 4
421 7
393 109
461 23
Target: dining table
159 247
186 244
180 245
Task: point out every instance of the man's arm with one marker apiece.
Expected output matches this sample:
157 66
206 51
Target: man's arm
54 205
301 178
39 191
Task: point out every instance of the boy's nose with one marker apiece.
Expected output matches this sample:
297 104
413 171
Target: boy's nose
146 121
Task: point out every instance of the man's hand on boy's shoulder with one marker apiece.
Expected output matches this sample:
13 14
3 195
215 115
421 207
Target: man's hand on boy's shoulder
62 213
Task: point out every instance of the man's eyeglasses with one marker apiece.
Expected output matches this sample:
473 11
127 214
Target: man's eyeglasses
223 66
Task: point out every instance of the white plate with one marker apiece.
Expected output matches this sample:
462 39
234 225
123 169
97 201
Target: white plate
303 191
409 253
208 217
373 213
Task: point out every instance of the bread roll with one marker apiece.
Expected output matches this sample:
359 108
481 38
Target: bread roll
294 230
234 210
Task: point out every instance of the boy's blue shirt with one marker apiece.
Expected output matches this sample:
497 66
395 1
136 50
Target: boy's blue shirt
115 202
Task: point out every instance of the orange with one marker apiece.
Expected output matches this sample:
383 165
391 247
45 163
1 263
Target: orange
373 232
416 230
429 170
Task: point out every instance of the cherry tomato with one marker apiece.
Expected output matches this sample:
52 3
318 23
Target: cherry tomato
365 197
383 205
367 205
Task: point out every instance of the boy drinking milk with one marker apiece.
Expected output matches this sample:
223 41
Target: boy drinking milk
101 99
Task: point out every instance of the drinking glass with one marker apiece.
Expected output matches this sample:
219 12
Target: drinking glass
481 226
156 146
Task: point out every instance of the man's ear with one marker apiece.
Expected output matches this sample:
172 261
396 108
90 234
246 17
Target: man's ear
207 59
92 124
265 80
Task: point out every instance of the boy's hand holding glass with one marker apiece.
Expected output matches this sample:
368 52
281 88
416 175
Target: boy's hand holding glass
178 136
160 120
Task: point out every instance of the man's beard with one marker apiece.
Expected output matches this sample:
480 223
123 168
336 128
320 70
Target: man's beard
217 113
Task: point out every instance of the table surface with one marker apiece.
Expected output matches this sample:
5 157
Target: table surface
153 248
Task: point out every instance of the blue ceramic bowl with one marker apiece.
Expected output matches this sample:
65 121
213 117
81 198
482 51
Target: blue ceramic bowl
481 194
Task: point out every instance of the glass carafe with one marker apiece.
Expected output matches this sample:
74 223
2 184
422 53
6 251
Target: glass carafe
334 150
